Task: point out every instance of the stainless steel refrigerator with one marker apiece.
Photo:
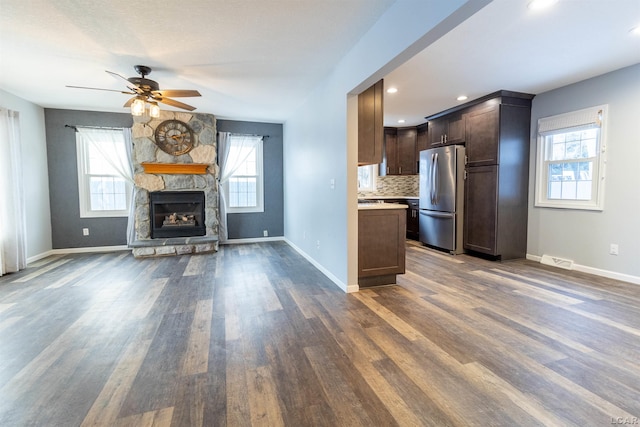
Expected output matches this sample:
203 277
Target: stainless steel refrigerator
442 197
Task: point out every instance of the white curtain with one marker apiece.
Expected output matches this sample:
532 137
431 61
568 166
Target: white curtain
230 161
120 160
13 229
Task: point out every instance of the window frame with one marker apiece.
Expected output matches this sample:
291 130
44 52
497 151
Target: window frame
588 118
372 174
259 149
84 185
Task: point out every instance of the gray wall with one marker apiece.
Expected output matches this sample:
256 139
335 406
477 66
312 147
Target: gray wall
66 224
251 225
585 236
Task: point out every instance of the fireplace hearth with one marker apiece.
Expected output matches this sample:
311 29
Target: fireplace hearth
177 214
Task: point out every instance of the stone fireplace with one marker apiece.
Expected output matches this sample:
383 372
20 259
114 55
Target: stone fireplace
162 176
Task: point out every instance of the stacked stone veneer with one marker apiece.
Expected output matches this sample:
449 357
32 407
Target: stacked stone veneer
204 151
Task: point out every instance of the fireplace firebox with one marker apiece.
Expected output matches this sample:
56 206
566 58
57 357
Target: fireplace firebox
177 214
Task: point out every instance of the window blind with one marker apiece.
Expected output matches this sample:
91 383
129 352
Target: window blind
586 118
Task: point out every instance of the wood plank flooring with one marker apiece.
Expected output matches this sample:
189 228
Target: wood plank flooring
254 335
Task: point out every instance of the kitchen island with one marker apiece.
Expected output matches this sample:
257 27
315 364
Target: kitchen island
381 243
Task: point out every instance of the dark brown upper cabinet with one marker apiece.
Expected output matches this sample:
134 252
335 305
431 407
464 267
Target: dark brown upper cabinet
407 138
399 151
446 130
370 125
422 139
482 129
388 166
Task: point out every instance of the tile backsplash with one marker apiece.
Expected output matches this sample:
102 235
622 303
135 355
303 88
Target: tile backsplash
395 185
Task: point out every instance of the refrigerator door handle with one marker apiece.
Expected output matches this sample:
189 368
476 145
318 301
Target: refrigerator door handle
431 189
436 181
437 214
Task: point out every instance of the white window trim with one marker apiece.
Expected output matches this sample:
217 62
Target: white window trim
83 187
374 175
593 116
259 185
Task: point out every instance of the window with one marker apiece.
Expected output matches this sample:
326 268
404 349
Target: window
570 167
245 185
367 178
104 190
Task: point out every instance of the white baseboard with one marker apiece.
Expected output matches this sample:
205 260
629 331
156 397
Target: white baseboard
252 240
330 276
597 271
78 251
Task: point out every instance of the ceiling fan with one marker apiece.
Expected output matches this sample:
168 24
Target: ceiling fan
148 90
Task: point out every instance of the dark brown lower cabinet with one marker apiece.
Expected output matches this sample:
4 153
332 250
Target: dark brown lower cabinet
413 222
481 208
381 245
495 221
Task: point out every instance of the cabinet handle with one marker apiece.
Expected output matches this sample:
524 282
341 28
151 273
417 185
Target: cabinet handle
465 174
441 139
445 138
466 159
400 170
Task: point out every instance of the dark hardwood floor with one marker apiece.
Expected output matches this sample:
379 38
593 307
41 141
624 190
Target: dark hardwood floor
255 335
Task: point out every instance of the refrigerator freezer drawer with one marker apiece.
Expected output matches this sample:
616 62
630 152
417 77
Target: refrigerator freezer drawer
438 229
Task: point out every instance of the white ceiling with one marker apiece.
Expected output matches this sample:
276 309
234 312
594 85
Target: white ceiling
250 59
259 59
507 46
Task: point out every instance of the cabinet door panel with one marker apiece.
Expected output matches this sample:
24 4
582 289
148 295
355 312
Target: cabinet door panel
437 129
455 133
481 209
422 140
389 165
482 140
381 242
370 125
412 219
407 151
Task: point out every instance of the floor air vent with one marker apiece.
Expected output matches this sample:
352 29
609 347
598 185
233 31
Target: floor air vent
567 264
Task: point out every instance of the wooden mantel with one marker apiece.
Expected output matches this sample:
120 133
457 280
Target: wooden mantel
175 168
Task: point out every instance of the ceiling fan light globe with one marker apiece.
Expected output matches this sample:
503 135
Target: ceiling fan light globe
154 110
137 107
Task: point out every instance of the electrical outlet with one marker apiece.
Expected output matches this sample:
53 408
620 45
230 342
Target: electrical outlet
613 249
85 231
265 233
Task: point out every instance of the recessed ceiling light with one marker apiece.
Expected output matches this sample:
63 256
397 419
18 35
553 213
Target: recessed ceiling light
401 121
540 4
392 90
462 98
635 31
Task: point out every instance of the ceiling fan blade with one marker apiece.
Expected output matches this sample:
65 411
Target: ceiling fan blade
117 75
98 88
176 93
175 103
130 86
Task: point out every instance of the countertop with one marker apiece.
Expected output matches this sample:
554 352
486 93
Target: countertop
374 206
388 197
